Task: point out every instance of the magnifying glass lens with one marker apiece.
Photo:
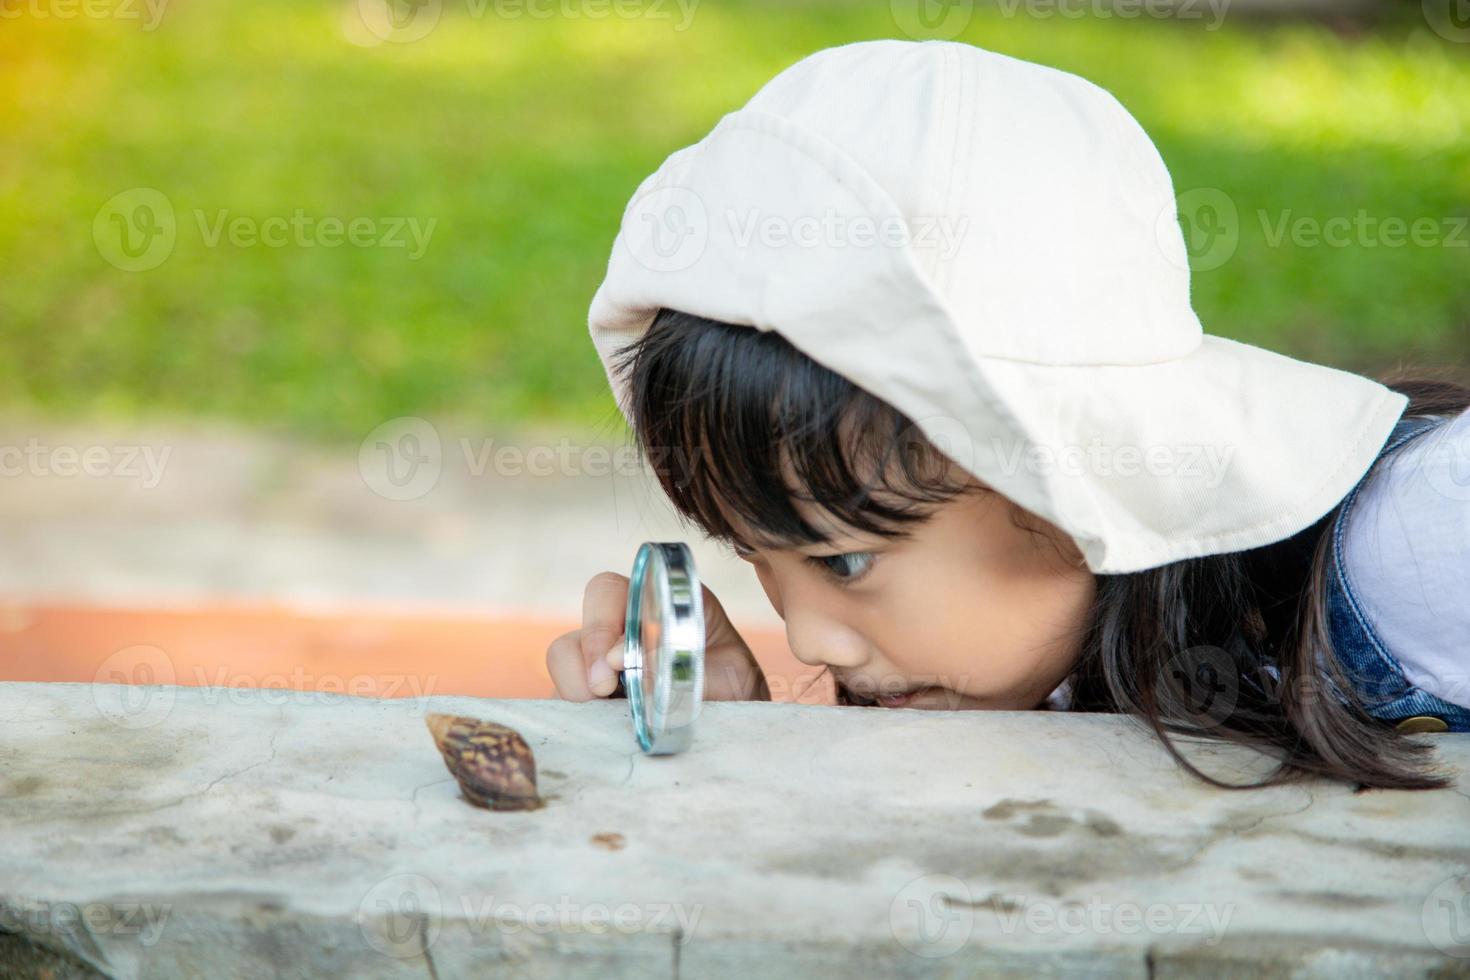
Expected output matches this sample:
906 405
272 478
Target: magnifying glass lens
664 657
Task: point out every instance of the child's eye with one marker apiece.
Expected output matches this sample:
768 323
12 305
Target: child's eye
845 568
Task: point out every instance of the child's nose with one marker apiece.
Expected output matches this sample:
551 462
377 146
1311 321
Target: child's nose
816 639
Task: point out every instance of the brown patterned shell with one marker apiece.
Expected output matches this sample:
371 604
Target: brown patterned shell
492 763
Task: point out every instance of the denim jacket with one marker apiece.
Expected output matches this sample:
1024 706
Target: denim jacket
1376 675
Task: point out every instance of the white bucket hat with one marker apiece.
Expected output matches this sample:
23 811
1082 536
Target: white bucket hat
992 247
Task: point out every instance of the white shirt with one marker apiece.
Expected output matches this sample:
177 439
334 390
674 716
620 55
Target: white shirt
1406 554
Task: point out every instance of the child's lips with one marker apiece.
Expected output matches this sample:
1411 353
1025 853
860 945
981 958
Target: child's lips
884 699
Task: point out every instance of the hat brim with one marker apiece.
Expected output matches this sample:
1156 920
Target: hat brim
1227 448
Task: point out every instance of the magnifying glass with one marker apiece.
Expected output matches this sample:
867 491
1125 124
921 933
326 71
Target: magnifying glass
663 651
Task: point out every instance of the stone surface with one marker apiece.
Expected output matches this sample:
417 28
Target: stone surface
184 832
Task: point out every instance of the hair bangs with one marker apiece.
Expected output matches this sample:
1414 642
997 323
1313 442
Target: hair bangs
740 426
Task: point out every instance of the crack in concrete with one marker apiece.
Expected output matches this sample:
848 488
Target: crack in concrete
271 745
424 947
414 796
1228 833
138 811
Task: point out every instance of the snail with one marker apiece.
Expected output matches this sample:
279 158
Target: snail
492 763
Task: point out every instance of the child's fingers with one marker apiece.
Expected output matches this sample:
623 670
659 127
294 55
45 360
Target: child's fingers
604 606
567 669
615 656
584 664
602 676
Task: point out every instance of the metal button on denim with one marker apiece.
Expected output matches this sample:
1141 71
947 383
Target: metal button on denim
1422 724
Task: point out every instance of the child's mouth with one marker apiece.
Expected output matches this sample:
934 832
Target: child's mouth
869 699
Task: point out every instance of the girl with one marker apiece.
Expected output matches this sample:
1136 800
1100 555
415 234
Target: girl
911 333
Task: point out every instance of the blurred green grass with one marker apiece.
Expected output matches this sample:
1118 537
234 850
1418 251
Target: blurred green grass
523 138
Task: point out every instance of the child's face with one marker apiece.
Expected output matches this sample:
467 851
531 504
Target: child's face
969 611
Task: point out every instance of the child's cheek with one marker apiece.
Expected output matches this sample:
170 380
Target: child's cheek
1004 640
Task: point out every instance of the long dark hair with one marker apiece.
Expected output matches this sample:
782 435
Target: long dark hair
1226 647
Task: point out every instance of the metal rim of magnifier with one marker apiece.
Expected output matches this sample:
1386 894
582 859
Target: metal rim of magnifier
665 701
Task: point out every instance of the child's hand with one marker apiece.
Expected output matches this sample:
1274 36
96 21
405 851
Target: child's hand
584 663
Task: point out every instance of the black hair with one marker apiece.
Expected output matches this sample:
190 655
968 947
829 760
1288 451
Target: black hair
739 422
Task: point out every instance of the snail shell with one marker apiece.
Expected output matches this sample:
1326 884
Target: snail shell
492 763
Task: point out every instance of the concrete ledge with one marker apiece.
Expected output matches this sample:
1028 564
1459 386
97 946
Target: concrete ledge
184 832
